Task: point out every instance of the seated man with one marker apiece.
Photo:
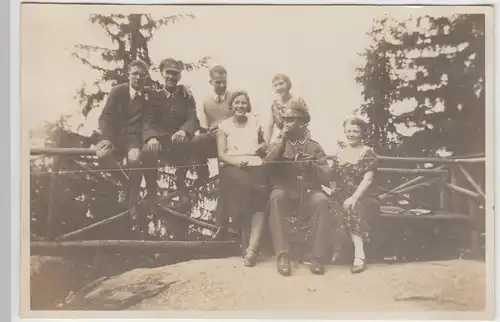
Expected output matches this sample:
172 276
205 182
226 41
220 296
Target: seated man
121 124
297 167
175 122
215 109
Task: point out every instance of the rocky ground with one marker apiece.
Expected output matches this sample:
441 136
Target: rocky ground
226 285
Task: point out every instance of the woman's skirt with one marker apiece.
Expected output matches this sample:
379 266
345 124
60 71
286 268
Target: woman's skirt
242 192
358 220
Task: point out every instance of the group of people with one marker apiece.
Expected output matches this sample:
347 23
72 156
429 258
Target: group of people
265 177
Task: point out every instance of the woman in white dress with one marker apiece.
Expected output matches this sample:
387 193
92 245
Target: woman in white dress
243 191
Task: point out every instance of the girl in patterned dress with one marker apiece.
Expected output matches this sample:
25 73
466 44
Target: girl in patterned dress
282 86
355 167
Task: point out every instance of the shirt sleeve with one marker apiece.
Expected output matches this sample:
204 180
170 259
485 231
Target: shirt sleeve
370 161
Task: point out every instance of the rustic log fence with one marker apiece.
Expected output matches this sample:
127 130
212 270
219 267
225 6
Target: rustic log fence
461 196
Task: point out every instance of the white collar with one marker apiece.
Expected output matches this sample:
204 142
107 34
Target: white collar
168 94
297 142
133 92
217 96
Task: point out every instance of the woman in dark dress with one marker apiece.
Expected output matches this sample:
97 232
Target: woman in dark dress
243 191
355 167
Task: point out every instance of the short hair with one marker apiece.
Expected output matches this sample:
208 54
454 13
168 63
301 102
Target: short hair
218 69
283 77
356 120
236 94
138 63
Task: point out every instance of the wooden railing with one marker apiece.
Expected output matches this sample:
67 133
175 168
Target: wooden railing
460 198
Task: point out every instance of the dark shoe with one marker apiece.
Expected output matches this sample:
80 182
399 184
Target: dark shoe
284 266
250 258
220 234
317 266
358 268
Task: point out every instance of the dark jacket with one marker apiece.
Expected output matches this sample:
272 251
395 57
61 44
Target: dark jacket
171 114
121 116
287 175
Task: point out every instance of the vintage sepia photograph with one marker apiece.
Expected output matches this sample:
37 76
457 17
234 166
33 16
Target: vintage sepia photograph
293 160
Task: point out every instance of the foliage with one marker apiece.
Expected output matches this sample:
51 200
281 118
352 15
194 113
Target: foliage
435 65
130 34
423 87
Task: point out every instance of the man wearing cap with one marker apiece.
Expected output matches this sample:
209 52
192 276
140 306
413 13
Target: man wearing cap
175 122
121 125
297 168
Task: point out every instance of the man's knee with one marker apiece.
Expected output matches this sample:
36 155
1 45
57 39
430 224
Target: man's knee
105 154
319 199
277 195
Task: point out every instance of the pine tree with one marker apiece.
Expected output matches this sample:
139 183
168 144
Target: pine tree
131 34
437 63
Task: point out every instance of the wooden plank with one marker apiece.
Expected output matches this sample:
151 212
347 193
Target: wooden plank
193 220
413 171
95 225
416 186
431 160
62 151
432 216
471 180
390 194
463 191
43 248
408 183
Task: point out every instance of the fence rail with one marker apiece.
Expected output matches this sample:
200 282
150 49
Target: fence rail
460 197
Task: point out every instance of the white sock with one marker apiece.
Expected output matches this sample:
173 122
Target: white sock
359 251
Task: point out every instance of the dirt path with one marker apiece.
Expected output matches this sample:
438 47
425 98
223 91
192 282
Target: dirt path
226 285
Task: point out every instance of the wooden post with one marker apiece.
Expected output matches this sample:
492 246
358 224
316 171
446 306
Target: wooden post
474 233
455 197
53 178
443 194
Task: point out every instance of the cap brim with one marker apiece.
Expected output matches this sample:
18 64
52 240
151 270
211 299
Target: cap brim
173 69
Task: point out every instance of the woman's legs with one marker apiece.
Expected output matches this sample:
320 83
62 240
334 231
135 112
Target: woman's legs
257 225
357 226
359 251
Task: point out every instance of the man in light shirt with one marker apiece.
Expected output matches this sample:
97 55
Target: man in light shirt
215 109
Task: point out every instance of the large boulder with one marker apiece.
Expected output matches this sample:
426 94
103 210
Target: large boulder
226 285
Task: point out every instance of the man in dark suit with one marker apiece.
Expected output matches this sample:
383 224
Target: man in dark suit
121 124
175 122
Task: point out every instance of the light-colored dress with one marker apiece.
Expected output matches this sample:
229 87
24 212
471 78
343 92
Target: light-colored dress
242 191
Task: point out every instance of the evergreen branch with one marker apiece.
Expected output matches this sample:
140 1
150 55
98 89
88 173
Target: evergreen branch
85 61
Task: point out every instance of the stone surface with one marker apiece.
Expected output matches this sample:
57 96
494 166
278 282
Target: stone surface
226 285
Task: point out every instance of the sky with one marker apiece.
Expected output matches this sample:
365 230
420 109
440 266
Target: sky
317 46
